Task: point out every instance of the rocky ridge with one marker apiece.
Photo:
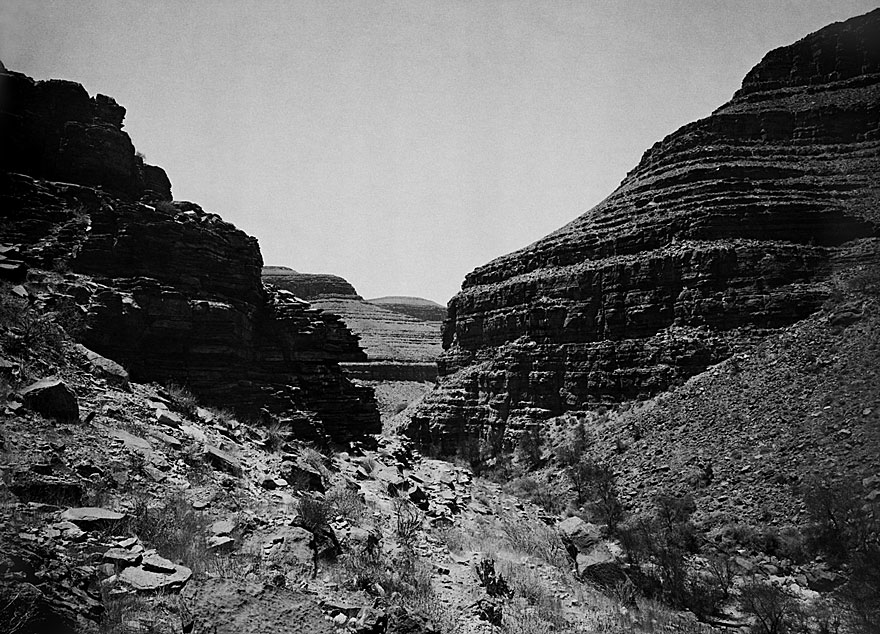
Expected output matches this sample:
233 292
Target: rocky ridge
169 291
726 231
423 309
399 346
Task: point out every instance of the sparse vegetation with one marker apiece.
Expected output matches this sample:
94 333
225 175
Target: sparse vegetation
182 399
174 529
346 502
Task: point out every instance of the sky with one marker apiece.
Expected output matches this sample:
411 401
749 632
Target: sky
401 144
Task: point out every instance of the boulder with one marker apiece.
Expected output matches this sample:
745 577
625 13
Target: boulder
52 398
144 580
105 368
223 461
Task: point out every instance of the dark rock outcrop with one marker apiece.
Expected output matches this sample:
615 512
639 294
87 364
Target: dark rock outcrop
172 293
55 131
726 229
398 346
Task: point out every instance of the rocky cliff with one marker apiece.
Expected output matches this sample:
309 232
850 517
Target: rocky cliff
171 292
724 231
398 345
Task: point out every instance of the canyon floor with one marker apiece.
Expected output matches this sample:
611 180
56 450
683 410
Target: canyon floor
131 508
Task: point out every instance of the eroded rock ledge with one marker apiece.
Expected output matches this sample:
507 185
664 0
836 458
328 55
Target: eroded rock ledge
725 230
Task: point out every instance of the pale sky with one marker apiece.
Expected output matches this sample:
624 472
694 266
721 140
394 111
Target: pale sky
402 144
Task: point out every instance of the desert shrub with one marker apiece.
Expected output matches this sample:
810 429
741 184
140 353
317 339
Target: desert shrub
182 399
481 455
861 593
454 538
772 607
549 498
528 449
842 521
575 447
312 513
129 614
346 502
535 539
276 436
20 609
24 330
314 458
664 538
594 484
494 582
174 529
404 576
529 585
407 522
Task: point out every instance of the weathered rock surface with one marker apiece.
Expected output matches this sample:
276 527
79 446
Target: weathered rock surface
174 294
398 345
724 231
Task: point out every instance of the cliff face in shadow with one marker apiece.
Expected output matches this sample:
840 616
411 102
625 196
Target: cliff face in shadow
724 232
168 290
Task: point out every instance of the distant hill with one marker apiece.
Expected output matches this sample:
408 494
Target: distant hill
417 307
400 345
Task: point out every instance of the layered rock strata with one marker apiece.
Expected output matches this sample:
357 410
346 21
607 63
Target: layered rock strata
724 230
423 309
398 345
171 292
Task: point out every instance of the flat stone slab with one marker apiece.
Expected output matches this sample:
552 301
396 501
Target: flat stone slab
89 514
135 443
122 556
148 581
155 563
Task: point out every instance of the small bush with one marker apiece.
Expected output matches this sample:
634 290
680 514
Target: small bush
494 583
408 522
182 399
312 514
346 502
276 436
594 484
528 449
549 498
174 529
773 608
535 539
529 585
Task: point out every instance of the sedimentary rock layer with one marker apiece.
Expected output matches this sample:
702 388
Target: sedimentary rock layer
423 309
399 346
724 229
171 292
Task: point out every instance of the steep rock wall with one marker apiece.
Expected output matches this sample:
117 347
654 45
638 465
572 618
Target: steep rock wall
171 292
724 230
